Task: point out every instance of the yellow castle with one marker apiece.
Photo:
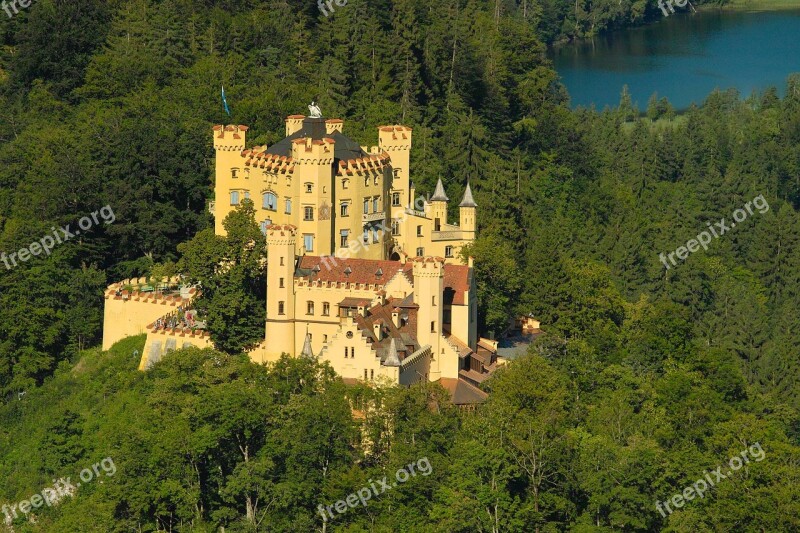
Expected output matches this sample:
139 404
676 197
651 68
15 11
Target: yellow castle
339 195
360 273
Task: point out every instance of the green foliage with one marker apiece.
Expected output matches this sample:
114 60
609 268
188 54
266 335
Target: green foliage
230 272
645 377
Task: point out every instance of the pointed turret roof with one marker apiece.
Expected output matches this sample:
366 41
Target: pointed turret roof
467 201
438 194
392 357
307 351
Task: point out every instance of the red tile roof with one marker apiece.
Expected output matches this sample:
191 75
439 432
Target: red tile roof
463 392
333 269
361 270
457 278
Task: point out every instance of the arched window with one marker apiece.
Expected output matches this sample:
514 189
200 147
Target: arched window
270 201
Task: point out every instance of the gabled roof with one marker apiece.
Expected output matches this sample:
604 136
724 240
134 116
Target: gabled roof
456 277
333 269
463 393
396 342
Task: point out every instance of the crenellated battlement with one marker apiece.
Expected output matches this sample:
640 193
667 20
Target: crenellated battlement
394 138
230 138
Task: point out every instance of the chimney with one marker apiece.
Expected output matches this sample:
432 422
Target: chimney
376 329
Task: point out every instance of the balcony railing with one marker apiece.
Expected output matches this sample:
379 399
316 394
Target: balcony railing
373 217
451 235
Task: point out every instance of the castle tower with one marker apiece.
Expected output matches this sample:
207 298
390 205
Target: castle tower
439 206
313 157
396 141
294 123
467 211
281 242
229 141
428 293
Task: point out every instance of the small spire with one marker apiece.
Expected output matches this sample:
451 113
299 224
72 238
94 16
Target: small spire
307 351
467 201
438 194
392 357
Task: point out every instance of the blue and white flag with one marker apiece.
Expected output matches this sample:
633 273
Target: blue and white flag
225 102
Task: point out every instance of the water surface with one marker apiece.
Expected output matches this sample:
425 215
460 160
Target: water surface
683 57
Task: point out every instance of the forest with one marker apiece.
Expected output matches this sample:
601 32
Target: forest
645 378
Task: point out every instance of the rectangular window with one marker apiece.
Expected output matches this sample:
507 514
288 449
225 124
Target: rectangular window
308 213
234 197
396 199
246 195
433 327
395 227
326 309
343 238
433 300
308 242
371 374
345 352
420 252
448 251
366 205
375 204
234 172
281 283
365 374
288 206
310 308
309 187
419 231
280 308
324 338
344 209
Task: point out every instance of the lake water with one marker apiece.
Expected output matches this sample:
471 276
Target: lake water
683 57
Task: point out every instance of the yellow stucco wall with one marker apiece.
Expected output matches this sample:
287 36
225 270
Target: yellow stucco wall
126 314
163 339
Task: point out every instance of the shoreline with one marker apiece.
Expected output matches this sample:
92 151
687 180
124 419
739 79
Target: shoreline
753 6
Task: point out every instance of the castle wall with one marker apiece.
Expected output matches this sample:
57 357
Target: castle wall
449 236
126 314
365 360
161 342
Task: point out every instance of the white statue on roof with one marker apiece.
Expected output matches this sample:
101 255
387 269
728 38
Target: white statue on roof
314 110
